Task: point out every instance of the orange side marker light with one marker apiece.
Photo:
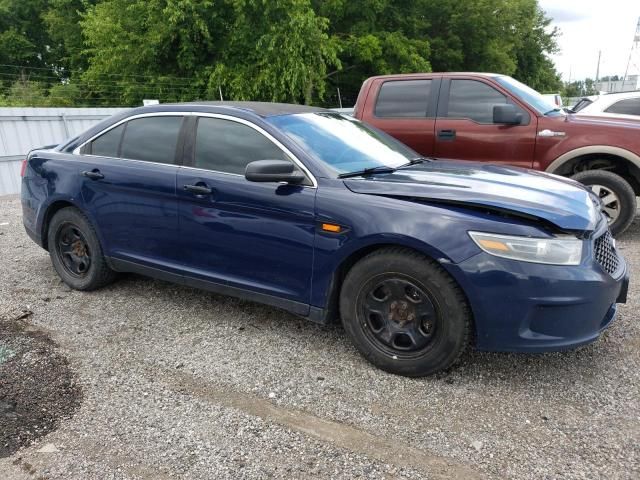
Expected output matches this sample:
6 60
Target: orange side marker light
331 227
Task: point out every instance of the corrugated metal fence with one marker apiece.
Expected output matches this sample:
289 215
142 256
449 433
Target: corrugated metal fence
22 129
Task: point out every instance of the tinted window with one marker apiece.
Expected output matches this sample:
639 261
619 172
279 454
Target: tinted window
153 139
406 98
473 100
228 146
630 106
106 145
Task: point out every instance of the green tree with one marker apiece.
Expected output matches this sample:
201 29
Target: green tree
25 93
66 44
23 38
184 49
117 52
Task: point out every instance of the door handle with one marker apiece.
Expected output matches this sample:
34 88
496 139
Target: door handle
448 134
93 174
198 189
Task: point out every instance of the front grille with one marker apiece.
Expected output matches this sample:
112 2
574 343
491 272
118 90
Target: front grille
605 253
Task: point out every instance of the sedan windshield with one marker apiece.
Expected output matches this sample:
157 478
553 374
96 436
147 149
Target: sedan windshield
343 143
543 105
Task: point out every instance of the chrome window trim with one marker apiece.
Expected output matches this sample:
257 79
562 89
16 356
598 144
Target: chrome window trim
302 166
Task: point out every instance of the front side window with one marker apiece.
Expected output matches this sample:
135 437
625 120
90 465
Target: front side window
403 98
151 139
228 146
107 144
473 100
630 106
534 99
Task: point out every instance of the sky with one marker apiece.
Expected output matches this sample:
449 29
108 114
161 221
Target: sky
589 26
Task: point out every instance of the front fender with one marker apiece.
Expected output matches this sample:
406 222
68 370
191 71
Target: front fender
560 161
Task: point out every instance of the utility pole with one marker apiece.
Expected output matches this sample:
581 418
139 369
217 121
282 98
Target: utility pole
635 52
598 69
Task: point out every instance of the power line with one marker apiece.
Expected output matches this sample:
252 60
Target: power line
52 69
48 79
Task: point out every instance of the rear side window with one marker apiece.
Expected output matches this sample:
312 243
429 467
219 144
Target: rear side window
106 145
473 100
404 98
630 106
152 139
228 146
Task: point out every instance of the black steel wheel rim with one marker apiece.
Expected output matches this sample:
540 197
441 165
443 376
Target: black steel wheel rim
398 315
73 250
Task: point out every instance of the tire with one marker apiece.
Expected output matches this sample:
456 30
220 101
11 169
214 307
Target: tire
76 253
400 283
606 182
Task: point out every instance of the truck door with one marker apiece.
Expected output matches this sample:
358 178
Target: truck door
405 109
465 129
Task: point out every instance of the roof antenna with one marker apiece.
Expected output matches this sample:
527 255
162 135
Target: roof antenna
220 90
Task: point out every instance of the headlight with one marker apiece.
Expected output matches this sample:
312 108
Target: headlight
553 251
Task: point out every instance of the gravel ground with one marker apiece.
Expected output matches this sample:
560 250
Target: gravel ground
182 383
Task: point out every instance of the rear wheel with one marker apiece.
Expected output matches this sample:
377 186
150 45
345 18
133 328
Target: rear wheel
75 251
617 196
404 313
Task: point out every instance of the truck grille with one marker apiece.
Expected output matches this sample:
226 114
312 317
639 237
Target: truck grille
605 253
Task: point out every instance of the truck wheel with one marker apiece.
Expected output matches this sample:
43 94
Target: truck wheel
618 197
404 313
75 251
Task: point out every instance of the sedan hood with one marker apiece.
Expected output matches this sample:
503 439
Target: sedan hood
558 200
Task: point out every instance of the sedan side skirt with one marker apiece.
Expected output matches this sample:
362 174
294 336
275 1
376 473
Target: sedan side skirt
315 314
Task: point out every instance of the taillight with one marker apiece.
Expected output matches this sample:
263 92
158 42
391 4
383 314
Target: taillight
23 167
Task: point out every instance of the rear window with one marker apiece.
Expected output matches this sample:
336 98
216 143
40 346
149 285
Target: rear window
151 139
106 145
630 106
403 98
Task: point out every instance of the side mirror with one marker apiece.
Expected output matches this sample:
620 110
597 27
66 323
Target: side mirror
273 171
506 114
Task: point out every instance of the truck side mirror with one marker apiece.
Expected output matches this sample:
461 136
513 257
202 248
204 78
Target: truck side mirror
506 114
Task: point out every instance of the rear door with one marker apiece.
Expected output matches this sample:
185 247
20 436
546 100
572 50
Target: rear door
129 188
465 129
405 109
247 235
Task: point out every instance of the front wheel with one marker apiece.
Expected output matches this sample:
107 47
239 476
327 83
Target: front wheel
404 313
617 196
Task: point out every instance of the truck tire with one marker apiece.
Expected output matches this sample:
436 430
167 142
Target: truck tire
405 313
618 197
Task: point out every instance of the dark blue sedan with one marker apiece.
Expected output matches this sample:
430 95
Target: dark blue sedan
321 215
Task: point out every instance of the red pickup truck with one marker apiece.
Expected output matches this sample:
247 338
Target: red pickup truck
494 118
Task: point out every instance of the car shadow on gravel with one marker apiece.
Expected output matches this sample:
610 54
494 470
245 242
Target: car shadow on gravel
37 386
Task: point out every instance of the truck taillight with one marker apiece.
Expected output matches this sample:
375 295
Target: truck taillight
23 167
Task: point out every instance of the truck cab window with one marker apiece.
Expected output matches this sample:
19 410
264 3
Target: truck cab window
404 98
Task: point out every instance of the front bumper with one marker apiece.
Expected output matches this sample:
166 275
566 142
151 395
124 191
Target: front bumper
528 307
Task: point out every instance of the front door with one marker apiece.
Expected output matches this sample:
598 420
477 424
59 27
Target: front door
465 128
129 189
241 234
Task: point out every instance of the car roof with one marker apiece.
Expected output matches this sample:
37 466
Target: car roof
263 109
619 95
439 74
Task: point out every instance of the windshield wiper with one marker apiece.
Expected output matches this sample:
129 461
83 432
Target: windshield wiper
368 171
415 161
554 110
